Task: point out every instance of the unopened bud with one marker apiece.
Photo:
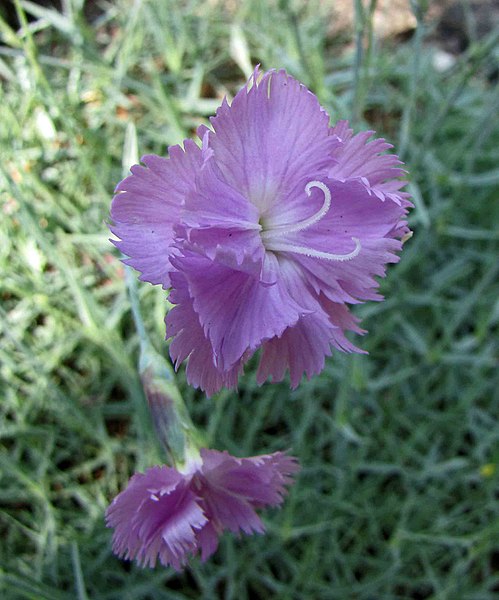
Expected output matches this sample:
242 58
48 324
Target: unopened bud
173 425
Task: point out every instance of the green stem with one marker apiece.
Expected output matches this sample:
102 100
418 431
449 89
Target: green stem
131 285
363 24
407 115
171 419
359 55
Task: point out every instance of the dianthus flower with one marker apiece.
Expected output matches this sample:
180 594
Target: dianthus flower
264 234
168 515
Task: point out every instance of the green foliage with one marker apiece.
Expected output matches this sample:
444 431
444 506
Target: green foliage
398 497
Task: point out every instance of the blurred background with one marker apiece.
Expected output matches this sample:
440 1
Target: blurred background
399 493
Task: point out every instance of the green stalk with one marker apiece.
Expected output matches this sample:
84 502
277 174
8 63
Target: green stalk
171 419
172 422
362 63
418 9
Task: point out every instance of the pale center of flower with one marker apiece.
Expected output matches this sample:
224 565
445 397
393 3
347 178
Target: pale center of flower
272 237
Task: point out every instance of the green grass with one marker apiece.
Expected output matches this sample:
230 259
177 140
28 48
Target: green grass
399 493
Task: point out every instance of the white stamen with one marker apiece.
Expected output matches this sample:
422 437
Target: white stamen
306 223
285 247
271 243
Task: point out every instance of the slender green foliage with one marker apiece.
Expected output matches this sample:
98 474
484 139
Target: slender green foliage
398 496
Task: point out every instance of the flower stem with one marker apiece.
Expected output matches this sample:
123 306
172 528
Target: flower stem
172 422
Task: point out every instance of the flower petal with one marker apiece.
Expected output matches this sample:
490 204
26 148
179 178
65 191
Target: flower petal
147 205
156 516
189 341
301 349
272 136
226 511
233 487
261 480
167 515
354 213
342 320
208 541
359 158
215 203
221 223
237 310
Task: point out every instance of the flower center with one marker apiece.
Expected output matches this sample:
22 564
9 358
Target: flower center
272 238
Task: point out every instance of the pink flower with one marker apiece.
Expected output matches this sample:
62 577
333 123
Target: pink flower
168 515
265 234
